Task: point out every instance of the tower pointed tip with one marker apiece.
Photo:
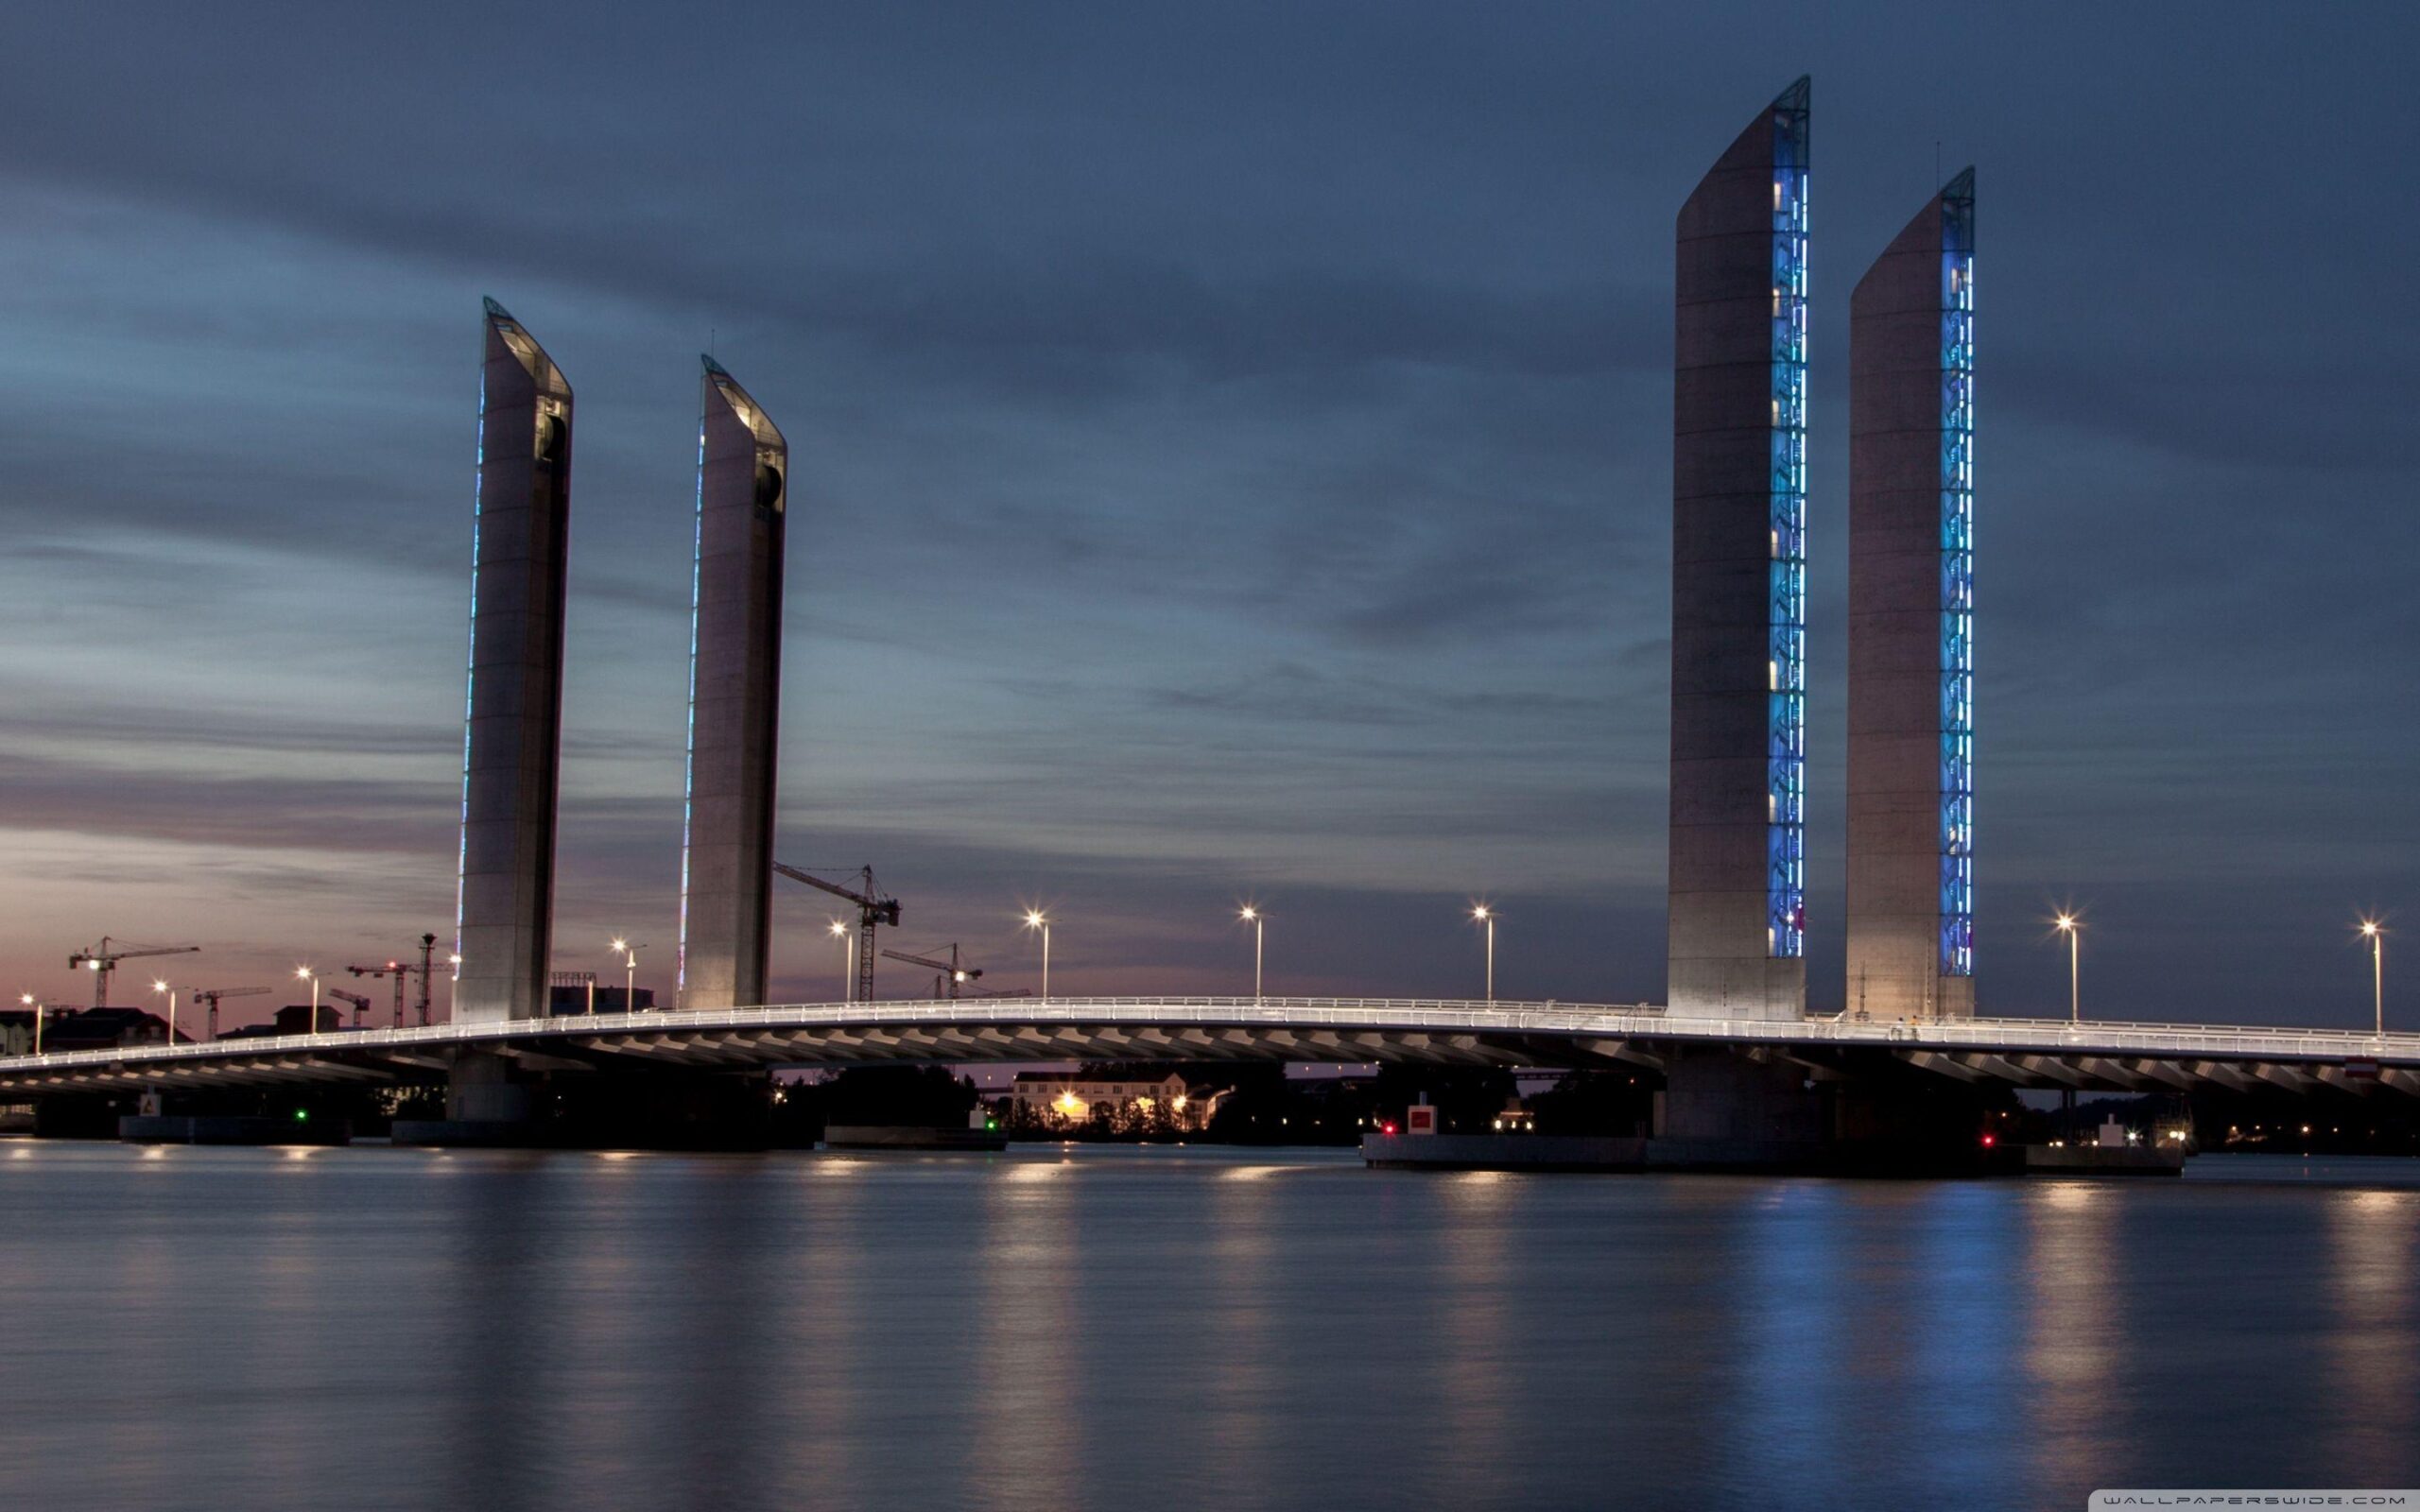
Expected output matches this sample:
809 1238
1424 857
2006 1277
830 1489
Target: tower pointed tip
1962 187
1794 97
494 310
750 414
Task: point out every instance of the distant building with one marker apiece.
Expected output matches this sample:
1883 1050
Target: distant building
292 1019
101 1029
17 1032
1071 1097
297 1019
572 997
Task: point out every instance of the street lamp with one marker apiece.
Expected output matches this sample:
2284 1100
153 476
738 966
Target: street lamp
1259 923
2073 927
630 954
2375 934
27 999
306 974
1034 919
848 960
1483 914
162 987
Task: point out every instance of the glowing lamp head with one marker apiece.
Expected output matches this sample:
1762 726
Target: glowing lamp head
2370 929
159 987
1249 914
1035 920
1479 913
91 965
25 998
2067 922
621 945
839 929
303 974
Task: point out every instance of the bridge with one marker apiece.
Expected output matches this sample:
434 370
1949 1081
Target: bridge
2034 1052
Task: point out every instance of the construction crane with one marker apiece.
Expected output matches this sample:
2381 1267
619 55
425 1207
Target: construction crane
211 996
102 961
954 972
873 908
400 971
360 1005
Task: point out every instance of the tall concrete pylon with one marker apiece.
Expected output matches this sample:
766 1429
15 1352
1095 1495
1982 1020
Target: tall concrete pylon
1911 619
512 718
1737 930
734 698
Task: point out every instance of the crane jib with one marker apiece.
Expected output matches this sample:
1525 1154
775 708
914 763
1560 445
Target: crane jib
873 909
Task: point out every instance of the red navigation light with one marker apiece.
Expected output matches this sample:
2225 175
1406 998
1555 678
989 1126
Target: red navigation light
1989 1139
1386 1129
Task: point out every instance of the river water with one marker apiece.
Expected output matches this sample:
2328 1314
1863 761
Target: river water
1117 1328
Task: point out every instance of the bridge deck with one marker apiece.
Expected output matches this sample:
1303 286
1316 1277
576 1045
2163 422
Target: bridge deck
2031 1052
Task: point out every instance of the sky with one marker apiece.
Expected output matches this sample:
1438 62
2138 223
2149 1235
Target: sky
1231 459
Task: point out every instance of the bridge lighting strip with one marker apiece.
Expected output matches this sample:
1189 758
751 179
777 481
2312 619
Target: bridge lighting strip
689 761
1958 581
471 667
1786 620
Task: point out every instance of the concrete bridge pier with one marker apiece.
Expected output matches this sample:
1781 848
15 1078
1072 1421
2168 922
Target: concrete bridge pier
485 1088
1717 1095
497 1101
1745 1108
489 1101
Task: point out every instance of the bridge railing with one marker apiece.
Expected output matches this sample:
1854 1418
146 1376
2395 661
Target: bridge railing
1447 1014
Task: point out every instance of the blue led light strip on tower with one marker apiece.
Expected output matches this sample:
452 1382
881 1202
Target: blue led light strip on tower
689 761
471 665
1958 576
1786 669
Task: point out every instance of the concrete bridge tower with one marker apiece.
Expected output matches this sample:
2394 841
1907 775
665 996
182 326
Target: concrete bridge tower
513 706
1911 619
1737 920
734 698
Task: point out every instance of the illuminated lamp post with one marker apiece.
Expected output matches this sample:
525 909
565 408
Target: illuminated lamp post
848 960
162 987
1259 923
2073 927
1481 914
2375 934
630 954
1034 919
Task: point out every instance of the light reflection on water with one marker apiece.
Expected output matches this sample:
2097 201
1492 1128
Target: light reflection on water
2069 1305
2374 1373
1070 1330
